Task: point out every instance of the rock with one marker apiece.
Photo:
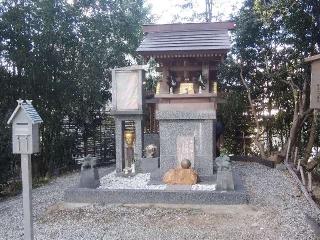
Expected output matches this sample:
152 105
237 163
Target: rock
180 176
277 158
312 164
185 164
150 151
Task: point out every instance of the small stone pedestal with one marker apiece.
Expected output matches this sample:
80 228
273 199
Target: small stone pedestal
225 181
89 178
224 175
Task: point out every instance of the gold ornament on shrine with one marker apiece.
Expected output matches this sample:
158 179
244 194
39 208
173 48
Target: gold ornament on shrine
129 138
186 88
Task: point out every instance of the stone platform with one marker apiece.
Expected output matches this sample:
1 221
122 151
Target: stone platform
202 193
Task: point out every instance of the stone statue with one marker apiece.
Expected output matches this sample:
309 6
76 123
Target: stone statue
223 163
87 162
150 151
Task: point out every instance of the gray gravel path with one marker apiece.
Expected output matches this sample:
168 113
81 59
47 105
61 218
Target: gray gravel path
277 210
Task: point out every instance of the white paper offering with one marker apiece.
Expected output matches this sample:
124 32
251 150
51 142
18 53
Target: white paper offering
127 90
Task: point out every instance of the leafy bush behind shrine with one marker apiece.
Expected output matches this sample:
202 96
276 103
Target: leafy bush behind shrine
59 54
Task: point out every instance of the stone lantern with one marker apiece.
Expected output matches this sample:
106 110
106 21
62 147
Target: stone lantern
128 107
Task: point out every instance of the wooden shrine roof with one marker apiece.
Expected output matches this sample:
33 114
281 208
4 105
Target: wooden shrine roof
313 58
193 38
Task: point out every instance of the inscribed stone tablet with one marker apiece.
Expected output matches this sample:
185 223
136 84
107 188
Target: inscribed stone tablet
185 149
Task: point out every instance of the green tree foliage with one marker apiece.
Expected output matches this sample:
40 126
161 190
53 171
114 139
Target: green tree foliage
152 76
270 47
233 112
60 54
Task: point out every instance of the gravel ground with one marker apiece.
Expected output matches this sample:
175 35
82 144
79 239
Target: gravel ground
277 210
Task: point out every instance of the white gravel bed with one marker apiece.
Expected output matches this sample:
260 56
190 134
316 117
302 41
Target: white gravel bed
277 210
203 187
140 181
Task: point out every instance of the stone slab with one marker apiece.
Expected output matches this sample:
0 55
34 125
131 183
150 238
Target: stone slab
172 195
138 196
147 165
179 187
177 115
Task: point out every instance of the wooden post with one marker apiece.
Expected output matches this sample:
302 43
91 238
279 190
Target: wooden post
27 195
244 144
309 182
302 175
299 164
288 150
295 156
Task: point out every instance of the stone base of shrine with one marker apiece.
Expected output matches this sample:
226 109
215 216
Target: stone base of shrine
202 193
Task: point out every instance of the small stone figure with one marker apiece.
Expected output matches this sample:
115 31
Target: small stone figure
88 162
223 163
150 151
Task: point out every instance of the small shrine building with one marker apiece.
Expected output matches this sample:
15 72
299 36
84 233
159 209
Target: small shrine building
185 101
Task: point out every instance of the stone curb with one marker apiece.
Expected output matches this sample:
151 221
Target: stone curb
138 196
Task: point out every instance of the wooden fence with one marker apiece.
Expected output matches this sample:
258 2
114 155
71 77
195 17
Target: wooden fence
100 145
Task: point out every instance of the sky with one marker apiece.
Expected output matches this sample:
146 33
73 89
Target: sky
165 10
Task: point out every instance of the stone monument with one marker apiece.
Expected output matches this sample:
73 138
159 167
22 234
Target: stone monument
187 131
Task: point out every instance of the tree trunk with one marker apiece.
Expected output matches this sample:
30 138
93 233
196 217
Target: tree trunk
301 112
312 137
209 4
255 115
